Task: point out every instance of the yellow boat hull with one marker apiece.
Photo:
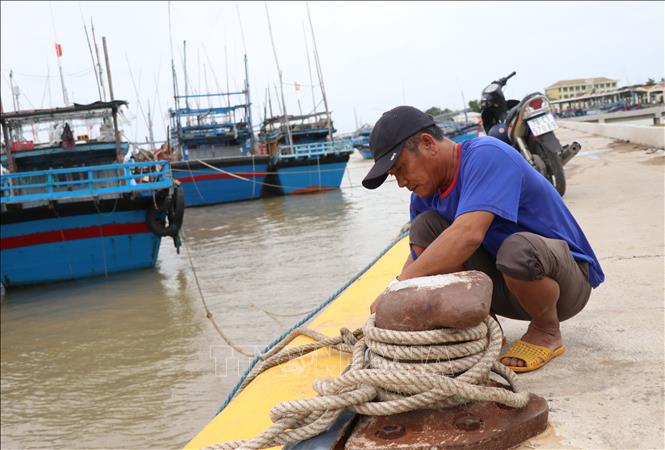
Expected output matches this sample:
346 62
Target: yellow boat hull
248 413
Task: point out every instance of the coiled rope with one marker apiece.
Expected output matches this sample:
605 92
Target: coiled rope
390 372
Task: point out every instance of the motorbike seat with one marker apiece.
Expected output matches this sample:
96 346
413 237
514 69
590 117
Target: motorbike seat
517 106
514 108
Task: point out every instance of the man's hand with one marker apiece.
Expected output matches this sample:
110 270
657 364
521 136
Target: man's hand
448 252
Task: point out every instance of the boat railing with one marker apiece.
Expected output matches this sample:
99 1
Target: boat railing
315 149
110 180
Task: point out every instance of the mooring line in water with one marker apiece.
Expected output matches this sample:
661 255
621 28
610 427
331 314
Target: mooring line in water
196 186
282 186
231 174
240 383
262 172
272 314
226 339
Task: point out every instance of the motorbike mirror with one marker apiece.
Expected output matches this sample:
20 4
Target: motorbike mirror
492 88
503 80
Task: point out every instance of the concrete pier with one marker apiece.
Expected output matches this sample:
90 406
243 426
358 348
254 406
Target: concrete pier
651 136
606 391
655 114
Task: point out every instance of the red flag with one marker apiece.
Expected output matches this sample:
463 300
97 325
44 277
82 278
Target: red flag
58 50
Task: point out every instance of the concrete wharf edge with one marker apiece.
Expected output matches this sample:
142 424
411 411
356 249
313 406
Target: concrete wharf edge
649 136
607 390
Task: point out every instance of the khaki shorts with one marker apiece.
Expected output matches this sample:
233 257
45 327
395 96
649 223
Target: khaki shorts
523 256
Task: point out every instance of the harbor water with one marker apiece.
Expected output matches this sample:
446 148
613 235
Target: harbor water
130 361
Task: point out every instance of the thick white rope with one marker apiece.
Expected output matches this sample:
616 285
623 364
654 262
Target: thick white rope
404 371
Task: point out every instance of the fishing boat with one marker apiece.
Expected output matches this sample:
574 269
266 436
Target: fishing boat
459 131
361 141
305 156
216 147
74 204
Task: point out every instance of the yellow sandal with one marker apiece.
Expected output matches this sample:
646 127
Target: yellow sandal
535 356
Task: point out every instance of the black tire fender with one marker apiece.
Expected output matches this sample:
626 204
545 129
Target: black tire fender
171 207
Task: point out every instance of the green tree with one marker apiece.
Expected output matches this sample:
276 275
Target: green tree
650 82
434 111
474 106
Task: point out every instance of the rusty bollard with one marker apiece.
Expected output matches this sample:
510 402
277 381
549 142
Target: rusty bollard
456 300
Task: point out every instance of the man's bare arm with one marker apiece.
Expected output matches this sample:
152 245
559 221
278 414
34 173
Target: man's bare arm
408 262
452 248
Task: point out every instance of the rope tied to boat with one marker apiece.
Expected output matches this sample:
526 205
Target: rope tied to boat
390 372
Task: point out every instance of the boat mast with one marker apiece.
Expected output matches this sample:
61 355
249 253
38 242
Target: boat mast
309 68
92 57
205 84
114 109
248 108
198 86
176 103
5 134
228 88
58 53
184 68
247 97
151 134
317 63
269 101
15 91
281 84
99 65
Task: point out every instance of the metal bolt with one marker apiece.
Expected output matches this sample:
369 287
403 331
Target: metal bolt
390 432
468 423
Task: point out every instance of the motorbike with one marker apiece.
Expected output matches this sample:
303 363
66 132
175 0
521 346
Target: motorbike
528 126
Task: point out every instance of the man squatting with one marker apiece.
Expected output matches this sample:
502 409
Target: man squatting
479 205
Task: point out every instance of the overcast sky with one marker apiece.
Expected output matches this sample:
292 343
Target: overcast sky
374 55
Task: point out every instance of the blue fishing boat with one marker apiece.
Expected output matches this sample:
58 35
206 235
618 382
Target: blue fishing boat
361 141
70 209
215 144
459 131
305 157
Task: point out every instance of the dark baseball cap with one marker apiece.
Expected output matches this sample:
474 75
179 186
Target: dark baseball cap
388 137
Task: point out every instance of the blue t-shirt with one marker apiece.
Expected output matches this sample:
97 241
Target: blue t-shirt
492 176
